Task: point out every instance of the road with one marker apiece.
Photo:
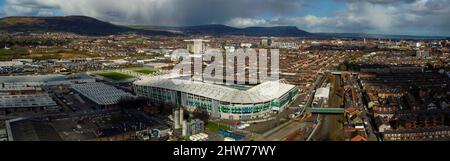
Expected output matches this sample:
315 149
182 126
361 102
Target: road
293 127
285 131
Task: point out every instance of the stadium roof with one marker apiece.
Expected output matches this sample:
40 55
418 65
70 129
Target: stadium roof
264 92
101 93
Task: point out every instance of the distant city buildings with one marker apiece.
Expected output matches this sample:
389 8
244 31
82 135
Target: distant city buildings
393 89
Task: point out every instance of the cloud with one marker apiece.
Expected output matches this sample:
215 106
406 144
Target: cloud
247 22
418 17
371 16
18 10
378 1
165 12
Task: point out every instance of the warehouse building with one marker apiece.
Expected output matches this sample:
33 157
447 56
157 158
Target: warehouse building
40 80
22 103
102 94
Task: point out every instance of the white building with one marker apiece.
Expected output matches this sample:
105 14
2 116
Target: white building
246 45
10 63
322 92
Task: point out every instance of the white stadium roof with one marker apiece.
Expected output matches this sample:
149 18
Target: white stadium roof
264 92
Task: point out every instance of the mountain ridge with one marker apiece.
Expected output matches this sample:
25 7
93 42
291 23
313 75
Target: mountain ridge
223 30
84 25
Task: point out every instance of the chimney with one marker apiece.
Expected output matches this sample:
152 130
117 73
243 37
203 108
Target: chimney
185 128
181 114
176 119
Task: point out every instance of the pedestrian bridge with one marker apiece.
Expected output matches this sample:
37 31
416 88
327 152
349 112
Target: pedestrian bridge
326 110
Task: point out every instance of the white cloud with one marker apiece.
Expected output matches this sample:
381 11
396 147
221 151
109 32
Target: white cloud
45 12
372 16
410 18
247 22
164 12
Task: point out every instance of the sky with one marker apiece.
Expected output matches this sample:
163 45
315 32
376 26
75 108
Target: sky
405 17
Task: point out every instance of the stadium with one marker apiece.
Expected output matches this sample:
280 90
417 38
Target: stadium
232 102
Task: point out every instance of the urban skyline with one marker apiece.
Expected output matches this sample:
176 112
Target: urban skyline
82 78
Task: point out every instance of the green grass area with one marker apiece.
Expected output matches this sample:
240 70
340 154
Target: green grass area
53 55
21 20
22 53
7 55
76 55
144 71
6 52
115 76
213 127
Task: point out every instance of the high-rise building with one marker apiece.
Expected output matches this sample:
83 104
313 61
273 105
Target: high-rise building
197 46
265 41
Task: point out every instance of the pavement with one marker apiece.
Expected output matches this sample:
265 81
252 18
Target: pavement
282 133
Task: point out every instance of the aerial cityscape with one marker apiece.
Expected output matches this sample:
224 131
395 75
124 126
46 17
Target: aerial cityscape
200 70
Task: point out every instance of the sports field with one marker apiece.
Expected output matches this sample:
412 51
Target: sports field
115 76
144 71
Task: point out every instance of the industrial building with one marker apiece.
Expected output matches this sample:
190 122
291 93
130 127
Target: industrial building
19 103
220 100
39 80
23 129
193 127
100 93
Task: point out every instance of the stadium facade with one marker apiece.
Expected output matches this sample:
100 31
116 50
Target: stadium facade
221 101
